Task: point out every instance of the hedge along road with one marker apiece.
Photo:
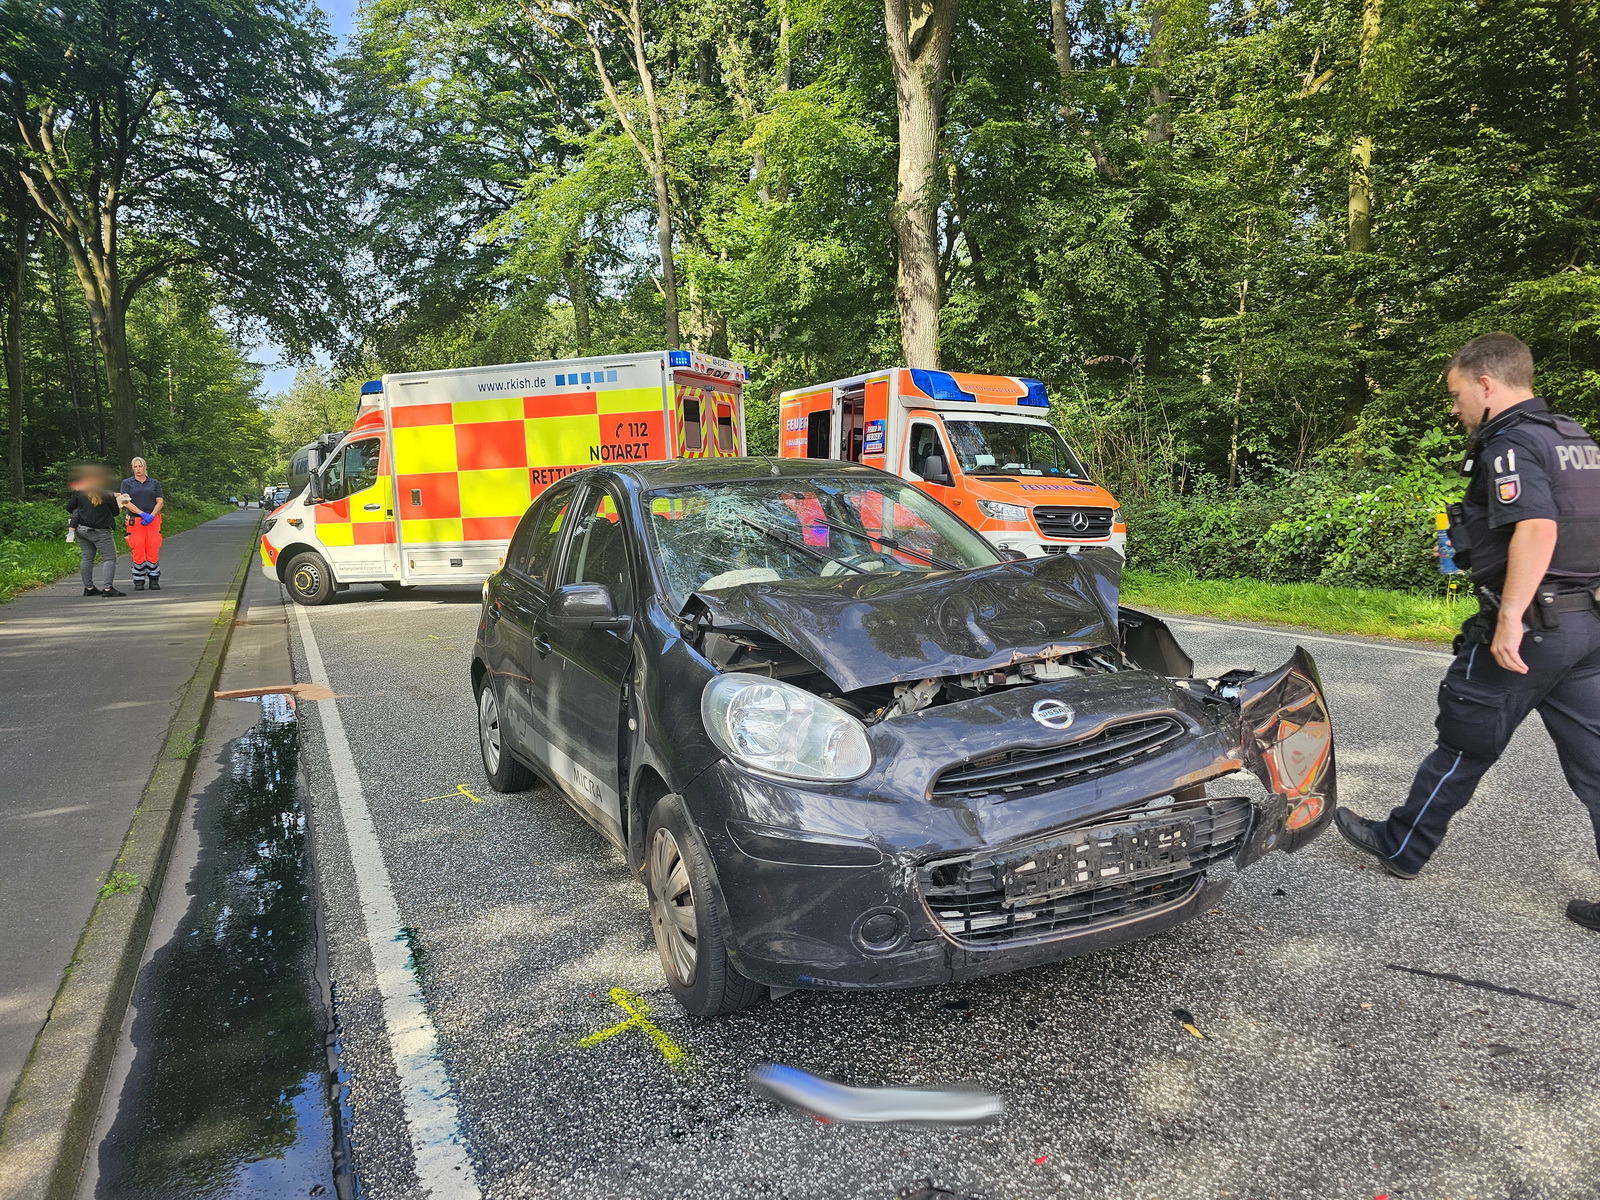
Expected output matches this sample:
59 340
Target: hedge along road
1311 1067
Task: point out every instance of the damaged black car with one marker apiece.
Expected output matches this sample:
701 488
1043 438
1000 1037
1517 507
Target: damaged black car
848 744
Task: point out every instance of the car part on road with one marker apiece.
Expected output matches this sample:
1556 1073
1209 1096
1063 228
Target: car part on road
882 1105
505 773
684 912
309 579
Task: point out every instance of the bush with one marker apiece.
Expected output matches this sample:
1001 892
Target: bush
32 521
1371 528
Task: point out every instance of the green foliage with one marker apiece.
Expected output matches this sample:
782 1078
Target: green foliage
1333 525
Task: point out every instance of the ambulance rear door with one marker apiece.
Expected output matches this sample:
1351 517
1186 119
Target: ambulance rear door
707 410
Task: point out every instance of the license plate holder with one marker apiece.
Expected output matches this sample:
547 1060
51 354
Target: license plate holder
1098 858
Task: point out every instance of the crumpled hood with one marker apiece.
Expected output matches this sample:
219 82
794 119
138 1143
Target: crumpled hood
876 628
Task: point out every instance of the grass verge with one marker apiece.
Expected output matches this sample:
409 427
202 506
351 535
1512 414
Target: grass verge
29 564
1362 611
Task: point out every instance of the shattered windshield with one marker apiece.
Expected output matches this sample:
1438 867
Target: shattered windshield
720 535
1012 448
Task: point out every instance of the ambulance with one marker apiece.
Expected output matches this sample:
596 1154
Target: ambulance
981 444
439 466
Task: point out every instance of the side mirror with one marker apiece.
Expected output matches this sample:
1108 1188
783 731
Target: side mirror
1013 556
934 471
586 606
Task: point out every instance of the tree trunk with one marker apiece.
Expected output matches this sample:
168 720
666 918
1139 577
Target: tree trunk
1359 240
669 275
69 358
21 250
1061 43
578 293
919 37
1158 125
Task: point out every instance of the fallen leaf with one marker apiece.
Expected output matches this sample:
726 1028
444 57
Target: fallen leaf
1041 1160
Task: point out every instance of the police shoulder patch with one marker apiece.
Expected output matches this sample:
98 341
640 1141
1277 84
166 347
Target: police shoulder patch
1508 487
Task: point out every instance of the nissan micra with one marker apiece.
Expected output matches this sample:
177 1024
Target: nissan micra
848 744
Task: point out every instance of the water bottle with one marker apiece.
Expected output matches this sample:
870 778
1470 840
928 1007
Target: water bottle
1442 549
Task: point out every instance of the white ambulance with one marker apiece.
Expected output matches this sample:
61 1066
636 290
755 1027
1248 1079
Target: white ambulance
439 466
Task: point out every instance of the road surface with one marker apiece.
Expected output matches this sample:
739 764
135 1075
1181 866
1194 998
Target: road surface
501 924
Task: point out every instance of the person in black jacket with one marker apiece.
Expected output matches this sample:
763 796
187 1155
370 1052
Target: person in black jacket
91 515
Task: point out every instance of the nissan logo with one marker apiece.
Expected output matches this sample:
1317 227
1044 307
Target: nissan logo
1079 520
1053 714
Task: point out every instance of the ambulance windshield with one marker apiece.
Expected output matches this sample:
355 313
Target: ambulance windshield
714 536
1012 448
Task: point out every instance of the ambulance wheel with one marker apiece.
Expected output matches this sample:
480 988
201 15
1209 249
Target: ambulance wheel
308 578
390 586
505 773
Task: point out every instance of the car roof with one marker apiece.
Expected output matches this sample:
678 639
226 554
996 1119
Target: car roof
688 471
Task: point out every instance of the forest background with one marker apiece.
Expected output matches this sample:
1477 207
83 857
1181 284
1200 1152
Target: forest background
1235 240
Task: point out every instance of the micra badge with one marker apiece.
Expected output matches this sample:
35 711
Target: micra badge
1508 487
1054 714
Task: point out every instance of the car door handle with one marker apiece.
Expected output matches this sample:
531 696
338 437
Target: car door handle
496 611
541 643
372 507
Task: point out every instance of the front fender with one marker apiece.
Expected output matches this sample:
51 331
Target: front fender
1286 738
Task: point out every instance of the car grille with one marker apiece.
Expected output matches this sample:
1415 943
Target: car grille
1059 522
1023 771
1071 881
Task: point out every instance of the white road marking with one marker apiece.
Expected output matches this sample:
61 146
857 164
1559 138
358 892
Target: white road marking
432 1118
1312 637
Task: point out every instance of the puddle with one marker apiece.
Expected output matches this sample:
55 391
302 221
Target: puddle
229 1095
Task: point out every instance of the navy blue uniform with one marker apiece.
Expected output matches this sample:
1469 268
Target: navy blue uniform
1526 464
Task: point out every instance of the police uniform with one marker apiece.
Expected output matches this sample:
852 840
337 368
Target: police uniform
1526 464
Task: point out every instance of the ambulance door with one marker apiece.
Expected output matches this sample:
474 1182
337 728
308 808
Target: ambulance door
355 512
850 419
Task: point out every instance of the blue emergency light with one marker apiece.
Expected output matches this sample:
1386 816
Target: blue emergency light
1035 397
371 387
939 385
677 358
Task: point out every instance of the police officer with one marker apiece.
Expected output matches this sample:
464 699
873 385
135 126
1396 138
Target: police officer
1530 527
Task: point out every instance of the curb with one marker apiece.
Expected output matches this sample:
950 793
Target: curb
46 1129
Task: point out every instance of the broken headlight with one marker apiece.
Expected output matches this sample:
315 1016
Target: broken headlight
777 729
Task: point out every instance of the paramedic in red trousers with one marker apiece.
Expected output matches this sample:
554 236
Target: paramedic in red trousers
143 506
1530 525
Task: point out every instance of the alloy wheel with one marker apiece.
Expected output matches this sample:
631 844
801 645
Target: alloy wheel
489 727
672 908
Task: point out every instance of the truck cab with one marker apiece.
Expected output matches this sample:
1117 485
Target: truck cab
980 444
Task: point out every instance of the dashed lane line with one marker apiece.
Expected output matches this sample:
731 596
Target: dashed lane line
432 1118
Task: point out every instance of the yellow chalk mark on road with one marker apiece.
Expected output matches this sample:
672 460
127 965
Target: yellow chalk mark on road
638 1018
461 790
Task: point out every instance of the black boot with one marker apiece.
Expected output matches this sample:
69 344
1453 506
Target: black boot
1585 913
1362 834
138 585
155 585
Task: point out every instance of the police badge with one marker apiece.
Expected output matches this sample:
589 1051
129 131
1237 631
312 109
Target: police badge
1508 487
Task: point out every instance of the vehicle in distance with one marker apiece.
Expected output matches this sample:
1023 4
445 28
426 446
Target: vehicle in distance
439 466
980 444
849 744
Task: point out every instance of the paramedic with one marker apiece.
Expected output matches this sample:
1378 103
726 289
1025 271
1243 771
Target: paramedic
1530 527
144 504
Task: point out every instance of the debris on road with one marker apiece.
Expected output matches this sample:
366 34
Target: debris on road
838 1102
1187 1020
1481 983
300 691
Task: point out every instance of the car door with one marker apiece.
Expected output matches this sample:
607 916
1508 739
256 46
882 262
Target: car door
594 663
355 513
525 667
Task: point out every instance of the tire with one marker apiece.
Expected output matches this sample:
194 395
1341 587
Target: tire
309 578
505 773
390 585
688 922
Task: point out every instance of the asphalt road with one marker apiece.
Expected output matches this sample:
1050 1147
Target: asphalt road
1322 1072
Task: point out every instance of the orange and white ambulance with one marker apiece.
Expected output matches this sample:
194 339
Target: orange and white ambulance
978 443
439 466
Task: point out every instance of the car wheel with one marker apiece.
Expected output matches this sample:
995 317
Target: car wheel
687 920
309 579
505 773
